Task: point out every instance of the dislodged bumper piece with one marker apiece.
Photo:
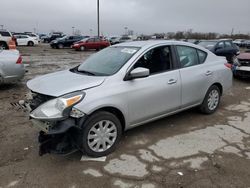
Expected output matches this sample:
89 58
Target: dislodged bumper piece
58 137
52 128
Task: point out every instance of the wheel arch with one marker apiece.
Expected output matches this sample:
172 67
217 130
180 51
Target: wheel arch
219 85
118 113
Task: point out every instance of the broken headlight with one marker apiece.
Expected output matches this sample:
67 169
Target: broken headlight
58 108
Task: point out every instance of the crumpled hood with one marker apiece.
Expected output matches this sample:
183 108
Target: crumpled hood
63 82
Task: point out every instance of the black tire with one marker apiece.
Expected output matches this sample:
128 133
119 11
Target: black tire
30 43
204 108
60 46
90 123
82 48
3 46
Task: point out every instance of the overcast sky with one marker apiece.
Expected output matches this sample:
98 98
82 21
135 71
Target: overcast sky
142 16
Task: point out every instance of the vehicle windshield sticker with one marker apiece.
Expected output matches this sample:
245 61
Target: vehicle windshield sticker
128 50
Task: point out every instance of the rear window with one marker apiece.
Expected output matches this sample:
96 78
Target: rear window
5 34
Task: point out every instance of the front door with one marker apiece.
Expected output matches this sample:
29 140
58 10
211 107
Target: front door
158 94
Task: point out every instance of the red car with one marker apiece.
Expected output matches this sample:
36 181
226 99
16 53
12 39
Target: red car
242 68
91 43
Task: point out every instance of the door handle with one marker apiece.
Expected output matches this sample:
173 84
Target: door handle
172 81
208 73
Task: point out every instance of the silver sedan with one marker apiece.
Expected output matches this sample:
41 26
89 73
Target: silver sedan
89 107
11 66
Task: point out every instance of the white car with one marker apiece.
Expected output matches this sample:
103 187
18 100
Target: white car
34 36
26 40
6 40
11 66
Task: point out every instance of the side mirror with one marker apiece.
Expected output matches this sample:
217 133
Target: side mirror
137 73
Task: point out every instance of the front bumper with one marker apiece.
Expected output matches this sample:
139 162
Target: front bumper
59 137
242 71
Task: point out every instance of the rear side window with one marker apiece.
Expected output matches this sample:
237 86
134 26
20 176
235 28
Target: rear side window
188 56
202 56
228 44
5 34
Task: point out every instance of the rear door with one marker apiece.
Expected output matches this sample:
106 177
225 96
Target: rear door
196 76
22 40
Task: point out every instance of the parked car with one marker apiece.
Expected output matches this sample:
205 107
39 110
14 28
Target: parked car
53 36
114 40
66 41
125 39
224 47
239 42
7 41
11 66
33 35
91 43
26 40
242 67
126 85
247 44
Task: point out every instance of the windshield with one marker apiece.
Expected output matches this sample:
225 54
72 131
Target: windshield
108 61
208 44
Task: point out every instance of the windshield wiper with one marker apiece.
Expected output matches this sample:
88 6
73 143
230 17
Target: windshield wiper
87 72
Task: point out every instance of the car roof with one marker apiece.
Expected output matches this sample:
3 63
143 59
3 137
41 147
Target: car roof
21 35
216 40
147 43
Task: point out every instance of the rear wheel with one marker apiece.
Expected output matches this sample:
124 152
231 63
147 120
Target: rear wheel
3 45
30 43
211 101
101 133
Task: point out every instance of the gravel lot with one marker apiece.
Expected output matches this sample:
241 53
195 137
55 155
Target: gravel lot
185 150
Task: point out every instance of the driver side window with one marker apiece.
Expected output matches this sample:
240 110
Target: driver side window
156 60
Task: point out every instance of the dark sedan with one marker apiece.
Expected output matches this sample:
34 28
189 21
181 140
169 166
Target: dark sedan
66 41
223 47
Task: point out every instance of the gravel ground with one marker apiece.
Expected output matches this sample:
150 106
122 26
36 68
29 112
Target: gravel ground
185 150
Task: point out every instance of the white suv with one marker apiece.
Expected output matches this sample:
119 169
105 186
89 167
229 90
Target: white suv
26 40
5 39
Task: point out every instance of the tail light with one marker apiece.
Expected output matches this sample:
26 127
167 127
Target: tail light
228 65
19 60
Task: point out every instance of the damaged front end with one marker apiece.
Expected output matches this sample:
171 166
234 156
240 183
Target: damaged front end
242 69
60 124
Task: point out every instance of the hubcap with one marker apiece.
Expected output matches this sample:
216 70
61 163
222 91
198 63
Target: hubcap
102 136
213 100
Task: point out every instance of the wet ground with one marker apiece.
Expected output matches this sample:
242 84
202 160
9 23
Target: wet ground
185 150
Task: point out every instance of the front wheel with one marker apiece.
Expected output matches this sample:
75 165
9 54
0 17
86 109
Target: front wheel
82 48
211 101
60 46
101 133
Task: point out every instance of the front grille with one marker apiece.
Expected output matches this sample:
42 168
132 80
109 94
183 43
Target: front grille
38 99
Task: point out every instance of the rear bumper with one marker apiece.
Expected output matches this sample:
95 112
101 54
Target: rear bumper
13 78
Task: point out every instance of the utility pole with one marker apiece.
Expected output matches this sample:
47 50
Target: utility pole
98 18
1 26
